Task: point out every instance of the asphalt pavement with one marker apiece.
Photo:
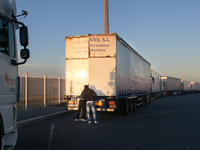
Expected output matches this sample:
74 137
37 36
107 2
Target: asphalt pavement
25 117
168 123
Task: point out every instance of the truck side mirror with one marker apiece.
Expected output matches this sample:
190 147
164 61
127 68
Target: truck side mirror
24 36
25 53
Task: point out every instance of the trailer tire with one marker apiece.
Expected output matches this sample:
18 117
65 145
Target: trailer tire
126 111
131 106
125 107
134 105
145 100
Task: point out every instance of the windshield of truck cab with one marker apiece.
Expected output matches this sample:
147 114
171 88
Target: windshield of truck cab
7 42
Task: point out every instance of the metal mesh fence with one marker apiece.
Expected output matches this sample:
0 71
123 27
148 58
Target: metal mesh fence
40 90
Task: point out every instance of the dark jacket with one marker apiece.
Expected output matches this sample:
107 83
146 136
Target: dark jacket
88 94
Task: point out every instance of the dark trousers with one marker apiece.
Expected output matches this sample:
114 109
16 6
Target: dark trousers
81 107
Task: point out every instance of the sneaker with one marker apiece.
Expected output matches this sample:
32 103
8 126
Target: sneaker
96 122
83 120
89 121
76 120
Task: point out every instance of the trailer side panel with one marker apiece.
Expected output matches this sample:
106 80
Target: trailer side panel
133 72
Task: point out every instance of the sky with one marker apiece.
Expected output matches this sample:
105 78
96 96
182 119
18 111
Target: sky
165 32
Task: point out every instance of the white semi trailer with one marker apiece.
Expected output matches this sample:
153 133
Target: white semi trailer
185 87
113 69
195 87
156 86
170 85
9 81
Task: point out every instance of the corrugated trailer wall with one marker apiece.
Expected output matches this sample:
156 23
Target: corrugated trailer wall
133 71
77 75
102 64
76 64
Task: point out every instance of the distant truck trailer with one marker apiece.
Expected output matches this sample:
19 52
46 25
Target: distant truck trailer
195 87
185 87
170 86
156 85
113 69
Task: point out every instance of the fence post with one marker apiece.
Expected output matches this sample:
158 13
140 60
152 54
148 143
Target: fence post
26 91
45 91
58 89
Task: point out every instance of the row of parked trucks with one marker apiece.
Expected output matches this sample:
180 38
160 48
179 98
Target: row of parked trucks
165 85
120 76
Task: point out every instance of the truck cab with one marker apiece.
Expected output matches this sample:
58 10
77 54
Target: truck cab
9 81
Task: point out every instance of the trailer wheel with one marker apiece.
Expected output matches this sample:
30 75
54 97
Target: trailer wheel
126 111
134 105
131 106
125 107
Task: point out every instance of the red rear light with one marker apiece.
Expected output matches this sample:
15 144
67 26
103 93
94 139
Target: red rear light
111 102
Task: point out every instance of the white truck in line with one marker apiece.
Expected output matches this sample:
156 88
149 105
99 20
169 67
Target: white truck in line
170 85
114 70
195 87
9 80
185 87
156 86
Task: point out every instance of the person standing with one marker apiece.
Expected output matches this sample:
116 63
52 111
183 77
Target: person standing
89 95
82 109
